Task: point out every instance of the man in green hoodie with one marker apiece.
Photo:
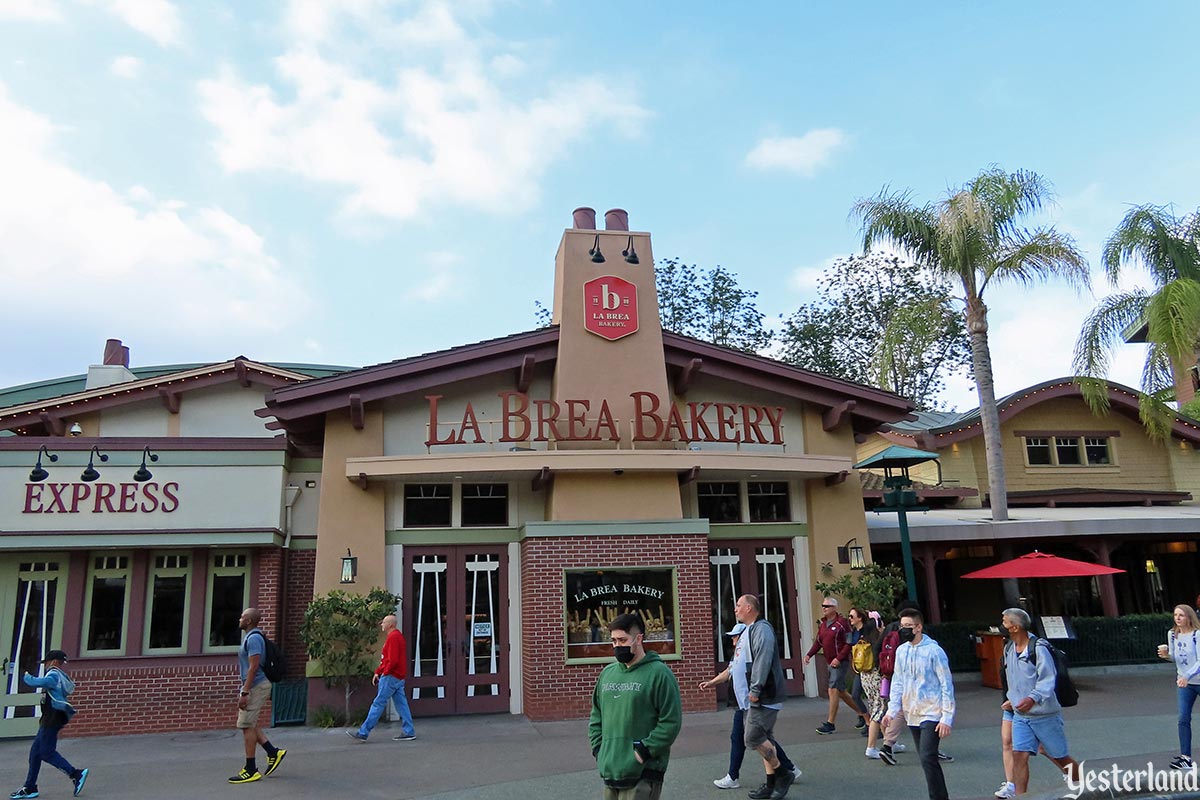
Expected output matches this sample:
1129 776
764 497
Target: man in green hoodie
636 715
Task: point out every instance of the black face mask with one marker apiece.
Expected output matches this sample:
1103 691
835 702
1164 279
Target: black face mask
624 653
907 635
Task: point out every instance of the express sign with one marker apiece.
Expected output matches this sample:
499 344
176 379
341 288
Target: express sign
610 307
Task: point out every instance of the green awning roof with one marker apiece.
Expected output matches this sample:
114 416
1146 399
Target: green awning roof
896 457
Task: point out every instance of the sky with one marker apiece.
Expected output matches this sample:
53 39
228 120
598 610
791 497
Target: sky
356 181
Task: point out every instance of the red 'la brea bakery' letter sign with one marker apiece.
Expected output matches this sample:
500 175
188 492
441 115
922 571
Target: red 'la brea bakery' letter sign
610 307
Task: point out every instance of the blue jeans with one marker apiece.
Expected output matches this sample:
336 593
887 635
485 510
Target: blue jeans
926 740
737 747
389 689
1187 698
45 748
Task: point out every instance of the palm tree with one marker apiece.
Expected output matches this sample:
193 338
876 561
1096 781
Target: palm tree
1168 316
975 236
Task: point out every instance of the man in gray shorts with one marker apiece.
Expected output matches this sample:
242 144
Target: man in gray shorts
766 693
831 639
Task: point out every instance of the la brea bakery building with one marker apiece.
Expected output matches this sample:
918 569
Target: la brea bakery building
517 493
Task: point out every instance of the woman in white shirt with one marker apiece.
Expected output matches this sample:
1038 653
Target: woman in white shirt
1182 648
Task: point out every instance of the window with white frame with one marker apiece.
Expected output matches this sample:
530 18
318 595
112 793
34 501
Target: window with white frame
106 607
228 595
1068 451
168 593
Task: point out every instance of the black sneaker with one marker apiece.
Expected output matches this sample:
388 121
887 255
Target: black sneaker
945 757
826 728
274 761
404 737
861 724
24 792
886 756
1182 762
783 782
79 780
761 793
246 776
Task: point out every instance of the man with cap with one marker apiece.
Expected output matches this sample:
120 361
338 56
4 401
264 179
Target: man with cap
737 672
831 640
56 712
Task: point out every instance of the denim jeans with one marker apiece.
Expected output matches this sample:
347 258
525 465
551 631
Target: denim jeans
45 748
1187 698
926 741
389 689
737 747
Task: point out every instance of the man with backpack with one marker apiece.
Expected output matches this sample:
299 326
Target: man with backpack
1031 677
56 712
254 691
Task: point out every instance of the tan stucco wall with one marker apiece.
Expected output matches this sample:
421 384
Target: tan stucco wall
1185 468
350 517
610 497
835 513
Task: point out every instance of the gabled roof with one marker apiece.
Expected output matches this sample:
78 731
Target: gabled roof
301 408
40 407
933 431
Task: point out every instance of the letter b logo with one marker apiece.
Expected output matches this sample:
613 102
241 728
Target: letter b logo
610 307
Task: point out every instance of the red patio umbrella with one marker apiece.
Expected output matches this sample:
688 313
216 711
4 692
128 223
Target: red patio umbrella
1042 565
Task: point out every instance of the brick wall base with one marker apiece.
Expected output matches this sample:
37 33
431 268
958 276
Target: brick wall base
555 690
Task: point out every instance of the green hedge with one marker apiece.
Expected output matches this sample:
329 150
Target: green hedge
1099 641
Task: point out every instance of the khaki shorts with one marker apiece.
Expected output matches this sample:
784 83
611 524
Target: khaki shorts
260 693
760 725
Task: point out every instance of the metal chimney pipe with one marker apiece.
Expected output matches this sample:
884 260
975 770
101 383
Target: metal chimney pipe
113 353
584 218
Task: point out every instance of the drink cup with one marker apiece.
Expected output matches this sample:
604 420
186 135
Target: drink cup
1162 651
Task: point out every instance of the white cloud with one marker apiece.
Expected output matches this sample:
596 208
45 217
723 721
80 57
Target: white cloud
440 131
126 67
803 155
157 19
127 260
30 10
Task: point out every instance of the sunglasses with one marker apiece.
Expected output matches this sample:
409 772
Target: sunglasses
828 606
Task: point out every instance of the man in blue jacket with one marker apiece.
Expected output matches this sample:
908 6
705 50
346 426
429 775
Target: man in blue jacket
56 712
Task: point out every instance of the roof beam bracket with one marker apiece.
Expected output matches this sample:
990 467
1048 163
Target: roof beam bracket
54 425
170 400
360 481
837 477
243 372
687 376
543 479
689 475
832 418
357 413
525 373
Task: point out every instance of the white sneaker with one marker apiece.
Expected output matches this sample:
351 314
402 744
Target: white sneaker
1005 791
796 773
899 747
727 783
872 752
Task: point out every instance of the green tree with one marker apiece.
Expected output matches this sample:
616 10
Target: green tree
1168 247
877 587
883 321
341 630
976 236
709 305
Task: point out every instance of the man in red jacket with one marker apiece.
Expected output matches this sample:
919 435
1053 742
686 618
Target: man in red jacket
831 639
389 677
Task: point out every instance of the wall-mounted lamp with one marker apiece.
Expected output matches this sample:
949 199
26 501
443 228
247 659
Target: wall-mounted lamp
37 473
90 474
142 475
349 567
75 430
597 256
629 253
852 555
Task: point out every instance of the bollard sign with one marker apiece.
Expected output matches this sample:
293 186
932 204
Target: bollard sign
610 307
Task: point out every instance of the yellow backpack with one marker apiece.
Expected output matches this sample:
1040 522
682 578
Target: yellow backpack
862 656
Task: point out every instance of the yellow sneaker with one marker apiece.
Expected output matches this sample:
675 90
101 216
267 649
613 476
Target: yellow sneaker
273 763
245 776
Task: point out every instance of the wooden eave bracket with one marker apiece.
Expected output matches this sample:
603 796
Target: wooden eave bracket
688 476
926 441
687 376
360 481
357 414
242 371
54 425
833 417
170 400
837 477
525 373
543 479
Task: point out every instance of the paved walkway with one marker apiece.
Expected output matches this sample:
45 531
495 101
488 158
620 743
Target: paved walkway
1124 714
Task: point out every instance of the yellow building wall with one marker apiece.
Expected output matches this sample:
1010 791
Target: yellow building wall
1185 468
835 513
1139 462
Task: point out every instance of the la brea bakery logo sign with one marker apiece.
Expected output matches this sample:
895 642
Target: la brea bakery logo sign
610 307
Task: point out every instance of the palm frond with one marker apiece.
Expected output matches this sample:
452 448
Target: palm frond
894 218
1101 333
1151 235
1157 388
1173 320
1010 195
1029 258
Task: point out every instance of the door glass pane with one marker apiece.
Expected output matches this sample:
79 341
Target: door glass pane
481 582
428 637
776 599
33 621
725 578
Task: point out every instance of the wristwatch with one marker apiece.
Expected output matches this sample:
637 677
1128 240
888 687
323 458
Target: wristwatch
244 694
